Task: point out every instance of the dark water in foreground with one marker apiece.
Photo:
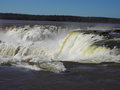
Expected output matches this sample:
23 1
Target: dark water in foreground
81 77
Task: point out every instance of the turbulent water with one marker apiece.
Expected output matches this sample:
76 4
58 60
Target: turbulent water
45 47
83 57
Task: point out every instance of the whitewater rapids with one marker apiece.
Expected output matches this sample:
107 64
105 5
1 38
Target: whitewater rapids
40 48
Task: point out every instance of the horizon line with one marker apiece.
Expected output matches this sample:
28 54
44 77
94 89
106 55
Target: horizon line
57 15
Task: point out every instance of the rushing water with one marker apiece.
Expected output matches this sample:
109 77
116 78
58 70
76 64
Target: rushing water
79 56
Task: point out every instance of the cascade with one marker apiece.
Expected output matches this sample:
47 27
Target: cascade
39 47
80 47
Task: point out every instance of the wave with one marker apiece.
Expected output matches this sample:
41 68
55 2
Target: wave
44 47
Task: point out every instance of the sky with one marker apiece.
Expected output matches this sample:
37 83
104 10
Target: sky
89 8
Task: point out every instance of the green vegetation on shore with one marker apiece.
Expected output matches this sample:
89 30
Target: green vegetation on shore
11 16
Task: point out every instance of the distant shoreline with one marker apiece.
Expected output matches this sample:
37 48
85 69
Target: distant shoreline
62 18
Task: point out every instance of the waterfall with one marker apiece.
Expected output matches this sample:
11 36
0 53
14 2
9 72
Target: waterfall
46 47
80 47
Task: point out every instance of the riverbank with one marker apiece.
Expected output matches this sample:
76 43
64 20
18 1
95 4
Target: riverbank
65 18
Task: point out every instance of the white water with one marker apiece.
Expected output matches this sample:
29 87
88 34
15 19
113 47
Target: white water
37 45
80 47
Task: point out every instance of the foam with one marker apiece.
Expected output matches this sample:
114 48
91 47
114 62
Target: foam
40 48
